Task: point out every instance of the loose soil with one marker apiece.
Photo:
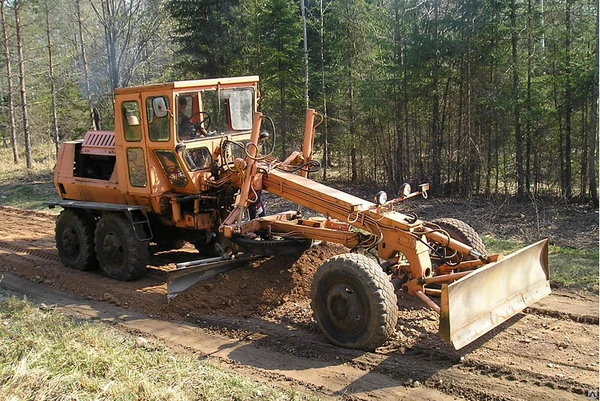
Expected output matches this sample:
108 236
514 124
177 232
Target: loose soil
548 352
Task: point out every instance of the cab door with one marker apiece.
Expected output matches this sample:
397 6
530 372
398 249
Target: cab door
129 122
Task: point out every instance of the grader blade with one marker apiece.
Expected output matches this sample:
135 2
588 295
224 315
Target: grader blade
189 273
475 304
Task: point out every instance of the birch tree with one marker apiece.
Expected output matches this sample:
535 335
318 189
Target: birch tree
23 90
9 88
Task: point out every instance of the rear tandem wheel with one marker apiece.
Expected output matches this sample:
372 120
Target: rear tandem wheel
120 254
354 302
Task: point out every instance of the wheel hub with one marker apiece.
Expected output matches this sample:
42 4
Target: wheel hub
70 242
345 308
113 248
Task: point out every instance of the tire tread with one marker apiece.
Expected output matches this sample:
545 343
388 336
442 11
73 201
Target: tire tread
383 307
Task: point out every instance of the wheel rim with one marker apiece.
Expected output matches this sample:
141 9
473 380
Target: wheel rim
113 249
70 243
346 308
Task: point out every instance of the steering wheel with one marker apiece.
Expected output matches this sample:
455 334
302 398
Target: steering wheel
191 130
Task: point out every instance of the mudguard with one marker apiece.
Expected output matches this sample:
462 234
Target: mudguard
482 300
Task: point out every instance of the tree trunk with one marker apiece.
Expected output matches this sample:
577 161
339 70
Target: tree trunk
516 103
568 101
407 157
436 139
592 156
283 127
305 48
52 80
352 127
326 160
28 157
84 62
528 120
583 166
399 169
9 89
460 151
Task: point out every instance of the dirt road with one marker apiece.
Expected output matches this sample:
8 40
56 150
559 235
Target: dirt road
257 320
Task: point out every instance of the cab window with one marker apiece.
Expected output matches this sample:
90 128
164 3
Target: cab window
240 106
198 158
171 167
159 118
131 121
137 167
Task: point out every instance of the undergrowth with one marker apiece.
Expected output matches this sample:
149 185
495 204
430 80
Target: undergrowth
27 188
569 267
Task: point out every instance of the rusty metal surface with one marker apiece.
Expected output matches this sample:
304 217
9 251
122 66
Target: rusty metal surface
477 303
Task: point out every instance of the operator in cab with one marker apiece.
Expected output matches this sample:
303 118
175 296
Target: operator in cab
186 129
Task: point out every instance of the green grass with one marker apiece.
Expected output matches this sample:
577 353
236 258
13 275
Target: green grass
27 188
27 196
570 268
45 355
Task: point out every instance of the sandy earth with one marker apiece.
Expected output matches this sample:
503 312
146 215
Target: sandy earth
257 319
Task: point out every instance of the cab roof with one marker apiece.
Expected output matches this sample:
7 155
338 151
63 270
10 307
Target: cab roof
197 83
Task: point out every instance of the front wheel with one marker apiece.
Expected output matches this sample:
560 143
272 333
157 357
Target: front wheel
120 254
353 302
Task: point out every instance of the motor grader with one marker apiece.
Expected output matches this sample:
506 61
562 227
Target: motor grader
187 161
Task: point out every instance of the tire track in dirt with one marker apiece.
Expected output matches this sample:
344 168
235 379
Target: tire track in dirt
41 253
157 273
550 352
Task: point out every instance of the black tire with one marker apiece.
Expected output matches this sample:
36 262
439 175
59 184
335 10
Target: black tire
120 255
461 231
74 234
353 302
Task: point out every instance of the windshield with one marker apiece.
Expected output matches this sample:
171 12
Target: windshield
214 112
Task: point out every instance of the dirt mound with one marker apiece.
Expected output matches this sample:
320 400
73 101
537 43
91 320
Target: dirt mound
258 288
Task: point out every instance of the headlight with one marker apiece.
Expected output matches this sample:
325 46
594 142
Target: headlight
380 197
405 190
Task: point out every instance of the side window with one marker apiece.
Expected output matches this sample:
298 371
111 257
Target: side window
198 158
137 167
171 167
185 126
131 121
159 118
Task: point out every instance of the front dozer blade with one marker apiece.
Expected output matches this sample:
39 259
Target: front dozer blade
189 273
480 301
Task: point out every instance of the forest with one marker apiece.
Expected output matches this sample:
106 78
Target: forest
478 98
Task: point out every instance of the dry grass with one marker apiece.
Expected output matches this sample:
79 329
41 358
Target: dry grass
27 188
44 158
45 355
